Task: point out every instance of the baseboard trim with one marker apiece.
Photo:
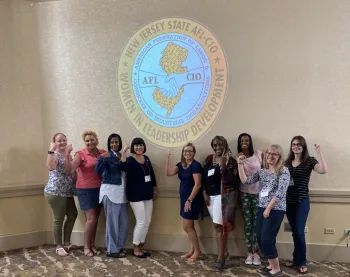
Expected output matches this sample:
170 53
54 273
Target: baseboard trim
179 243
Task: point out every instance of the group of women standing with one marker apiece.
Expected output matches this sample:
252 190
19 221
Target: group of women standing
107 178
265 185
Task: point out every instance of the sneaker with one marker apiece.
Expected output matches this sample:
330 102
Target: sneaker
256 259
249 259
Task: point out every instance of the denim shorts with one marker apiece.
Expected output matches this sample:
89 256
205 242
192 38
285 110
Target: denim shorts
88 198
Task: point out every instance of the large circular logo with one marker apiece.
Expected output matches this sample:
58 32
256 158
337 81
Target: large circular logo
172 80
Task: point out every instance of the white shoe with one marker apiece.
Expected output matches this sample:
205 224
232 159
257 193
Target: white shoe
249 259
256 259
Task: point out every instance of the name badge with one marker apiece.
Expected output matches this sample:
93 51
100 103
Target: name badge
264 193
147 178
211 172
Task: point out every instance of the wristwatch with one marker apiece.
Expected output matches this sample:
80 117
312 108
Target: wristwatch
189 200
50 152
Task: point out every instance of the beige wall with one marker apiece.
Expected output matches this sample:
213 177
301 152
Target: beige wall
287 64
288 74
21 149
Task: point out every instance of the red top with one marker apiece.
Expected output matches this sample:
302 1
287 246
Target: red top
87 177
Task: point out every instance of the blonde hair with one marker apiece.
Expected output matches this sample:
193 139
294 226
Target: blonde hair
183 161
89 133
280 162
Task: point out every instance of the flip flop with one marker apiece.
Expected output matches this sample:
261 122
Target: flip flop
96 252
303 270
89 253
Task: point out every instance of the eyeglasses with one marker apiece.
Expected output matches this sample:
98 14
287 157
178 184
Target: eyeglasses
272 154
188 151
296 144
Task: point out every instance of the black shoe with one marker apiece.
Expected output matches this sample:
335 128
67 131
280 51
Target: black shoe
123 251
147 254
116 255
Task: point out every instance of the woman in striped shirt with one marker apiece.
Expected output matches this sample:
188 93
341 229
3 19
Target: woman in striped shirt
300 166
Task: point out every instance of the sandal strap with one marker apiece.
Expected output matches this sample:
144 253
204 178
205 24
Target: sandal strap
61 249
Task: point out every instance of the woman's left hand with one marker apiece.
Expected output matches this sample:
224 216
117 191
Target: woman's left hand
266 213
187 206
155 193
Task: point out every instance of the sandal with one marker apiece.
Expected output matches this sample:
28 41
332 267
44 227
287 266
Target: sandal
140 255
264 269
219 266
63 250
88 253
303 270
96 252
268 273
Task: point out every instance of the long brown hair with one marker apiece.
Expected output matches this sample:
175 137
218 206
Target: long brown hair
304 155
183 161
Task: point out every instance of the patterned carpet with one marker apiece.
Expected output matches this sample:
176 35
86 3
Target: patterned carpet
42 261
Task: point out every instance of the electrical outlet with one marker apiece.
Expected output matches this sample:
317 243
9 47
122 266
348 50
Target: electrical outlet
347 232
330 231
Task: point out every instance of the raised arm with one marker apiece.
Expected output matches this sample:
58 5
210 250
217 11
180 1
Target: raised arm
170 170
252 179
102 163
52 161
321 167
71 165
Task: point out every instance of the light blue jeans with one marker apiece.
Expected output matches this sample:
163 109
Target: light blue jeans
117 225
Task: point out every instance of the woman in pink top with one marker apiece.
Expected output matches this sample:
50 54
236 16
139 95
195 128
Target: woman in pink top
88 187
250 196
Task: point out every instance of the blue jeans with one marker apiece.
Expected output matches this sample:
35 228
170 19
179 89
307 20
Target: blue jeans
267 230
297 215
117 225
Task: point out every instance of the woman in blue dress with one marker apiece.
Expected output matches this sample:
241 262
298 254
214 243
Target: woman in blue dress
189 172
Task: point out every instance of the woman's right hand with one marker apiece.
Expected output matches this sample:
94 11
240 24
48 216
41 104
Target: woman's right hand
168 155
126 148
241 159
206 199
53 146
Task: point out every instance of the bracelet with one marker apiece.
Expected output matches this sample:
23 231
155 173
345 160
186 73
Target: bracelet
50 152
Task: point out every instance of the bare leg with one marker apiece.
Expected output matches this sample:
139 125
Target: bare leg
90 225
275 265
188 226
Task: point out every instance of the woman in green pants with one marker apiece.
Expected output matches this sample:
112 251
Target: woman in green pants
59 193
249 196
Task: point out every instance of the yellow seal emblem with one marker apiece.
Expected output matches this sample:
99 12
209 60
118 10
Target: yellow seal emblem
172 80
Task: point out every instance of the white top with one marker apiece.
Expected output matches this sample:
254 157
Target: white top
115 193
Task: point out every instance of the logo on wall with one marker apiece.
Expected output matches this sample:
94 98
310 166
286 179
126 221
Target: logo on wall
172 80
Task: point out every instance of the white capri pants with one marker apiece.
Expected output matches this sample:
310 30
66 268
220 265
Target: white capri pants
215 209
143 215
